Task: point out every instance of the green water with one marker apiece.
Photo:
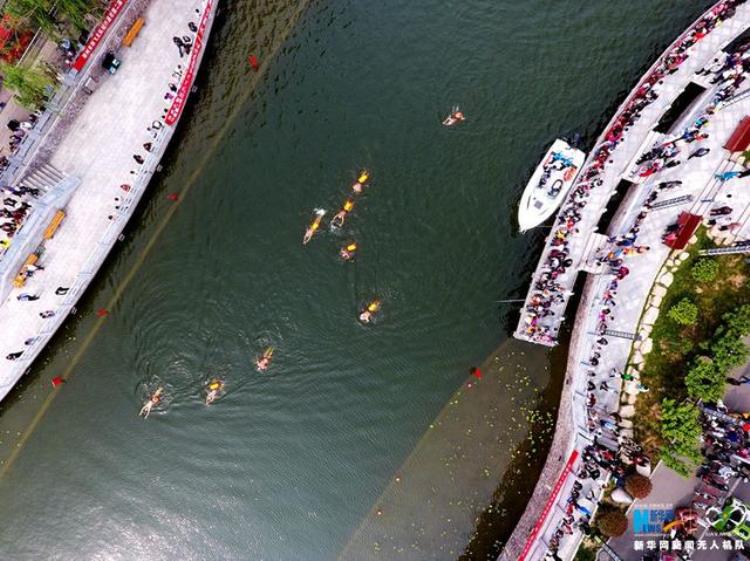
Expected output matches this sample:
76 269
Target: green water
289 465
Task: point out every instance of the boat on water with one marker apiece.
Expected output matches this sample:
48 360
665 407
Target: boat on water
549 184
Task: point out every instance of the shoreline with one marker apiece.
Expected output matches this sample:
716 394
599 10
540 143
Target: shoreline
571 433
51 143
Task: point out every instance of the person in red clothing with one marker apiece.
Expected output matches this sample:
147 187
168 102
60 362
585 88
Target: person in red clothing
474 371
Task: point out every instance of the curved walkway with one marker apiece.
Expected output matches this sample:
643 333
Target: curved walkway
576 424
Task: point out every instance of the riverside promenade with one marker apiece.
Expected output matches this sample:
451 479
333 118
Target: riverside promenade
622 139
608 318
100 144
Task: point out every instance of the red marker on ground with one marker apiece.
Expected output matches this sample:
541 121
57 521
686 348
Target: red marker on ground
57 381
173 197
102 312
252 60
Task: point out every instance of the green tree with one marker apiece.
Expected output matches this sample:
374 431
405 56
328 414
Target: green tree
705 380
729 351
31 86
681 430
34 13
737 321
684 312
46 14
705 270
75 11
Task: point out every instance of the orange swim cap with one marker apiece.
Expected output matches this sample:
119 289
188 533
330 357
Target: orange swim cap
348 205
351 247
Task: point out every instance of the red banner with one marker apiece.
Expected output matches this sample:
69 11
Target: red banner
110 16
178 104
549 505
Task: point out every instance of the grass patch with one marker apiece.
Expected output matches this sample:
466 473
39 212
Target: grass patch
676 345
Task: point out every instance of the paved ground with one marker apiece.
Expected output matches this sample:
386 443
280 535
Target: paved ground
99 149
672 86
625 312
671 490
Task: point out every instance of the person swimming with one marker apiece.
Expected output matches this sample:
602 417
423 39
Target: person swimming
264 360
338 220
359 185
153 400
312 229
213 390
369 312
348 251
455 117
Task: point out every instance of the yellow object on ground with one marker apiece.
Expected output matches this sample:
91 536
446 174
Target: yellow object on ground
20 279
133 32
54 224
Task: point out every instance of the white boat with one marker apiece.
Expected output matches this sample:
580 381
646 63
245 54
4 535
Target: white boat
549 184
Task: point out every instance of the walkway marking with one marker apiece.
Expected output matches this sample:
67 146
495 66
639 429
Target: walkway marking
208 154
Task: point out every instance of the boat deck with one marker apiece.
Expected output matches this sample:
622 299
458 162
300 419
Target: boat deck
549 184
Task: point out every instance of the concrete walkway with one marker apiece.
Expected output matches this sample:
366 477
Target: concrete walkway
573 430
668 88
671 491
99 149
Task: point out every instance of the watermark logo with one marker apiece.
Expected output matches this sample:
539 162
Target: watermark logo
651 520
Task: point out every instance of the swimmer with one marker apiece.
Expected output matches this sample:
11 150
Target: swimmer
313 228
364 177
338 220
213 390
369 312
264 360
153 400
347 252
455 117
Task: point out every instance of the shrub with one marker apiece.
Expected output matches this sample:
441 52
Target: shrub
705 380
705 270
585 554
685 345
739 320
684 312
638 486
681 430
729 351
31 86
612 523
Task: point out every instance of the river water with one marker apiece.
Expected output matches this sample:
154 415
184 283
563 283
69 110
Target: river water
300 463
